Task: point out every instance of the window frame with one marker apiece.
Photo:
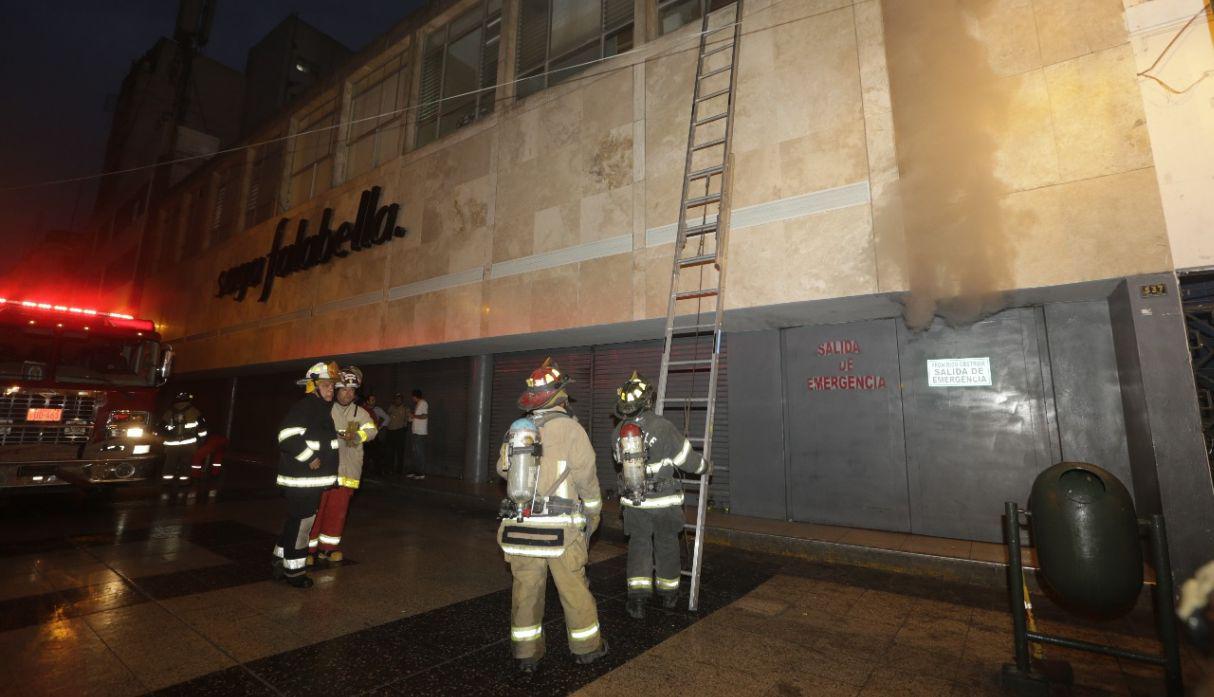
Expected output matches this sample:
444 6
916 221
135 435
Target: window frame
485 102
383 72
544 70
708 6
325 113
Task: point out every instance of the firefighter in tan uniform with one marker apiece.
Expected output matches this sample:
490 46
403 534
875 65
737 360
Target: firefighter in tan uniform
552 510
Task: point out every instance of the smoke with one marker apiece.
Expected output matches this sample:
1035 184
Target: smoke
945 209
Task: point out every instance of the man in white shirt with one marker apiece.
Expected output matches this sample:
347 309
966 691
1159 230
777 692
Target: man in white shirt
419 421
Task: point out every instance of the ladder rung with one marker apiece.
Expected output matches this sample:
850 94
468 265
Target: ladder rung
689 526
693 294
703 200
696 261
685 573
696 361
706 172
692 400
695 439
713 95
710 119
718 71
701 229
709 144
694 329
717 50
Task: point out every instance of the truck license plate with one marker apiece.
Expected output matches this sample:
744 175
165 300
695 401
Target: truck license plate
38 414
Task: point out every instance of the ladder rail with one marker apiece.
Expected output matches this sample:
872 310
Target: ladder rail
722 248
703 260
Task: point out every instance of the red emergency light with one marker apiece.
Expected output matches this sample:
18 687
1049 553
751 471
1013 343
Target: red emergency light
114 319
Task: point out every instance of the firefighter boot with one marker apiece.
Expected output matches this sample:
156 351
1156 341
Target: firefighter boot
335 556
300 581
588 658
635 607
527 665
276 569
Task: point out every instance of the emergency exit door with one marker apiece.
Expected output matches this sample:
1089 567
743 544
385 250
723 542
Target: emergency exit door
846 458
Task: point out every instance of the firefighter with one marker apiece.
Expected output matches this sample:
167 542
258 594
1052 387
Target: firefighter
307 465
651 498
355 426
183 429
553 509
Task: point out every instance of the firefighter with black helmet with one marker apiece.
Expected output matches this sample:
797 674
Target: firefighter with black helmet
354 428
183 429
552 510
307 465
649 449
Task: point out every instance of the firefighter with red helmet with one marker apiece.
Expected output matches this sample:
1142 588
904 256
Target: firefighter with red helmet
649 449
183 429
307 465
552 510
354 428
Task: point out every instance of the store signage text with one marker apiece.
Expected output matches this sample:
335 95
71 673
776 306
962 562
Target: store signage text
959 372
846 379
373 225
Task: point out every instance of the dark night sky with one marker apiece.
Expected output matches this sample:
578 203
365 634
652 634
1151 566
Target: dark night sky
59 59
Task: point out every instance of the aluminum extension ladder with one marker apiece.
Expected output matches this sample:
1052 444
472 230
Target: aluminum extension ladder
697 279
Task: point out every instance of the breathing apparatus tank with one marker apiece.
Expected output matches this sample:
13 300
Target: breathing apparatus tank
631 448
523 451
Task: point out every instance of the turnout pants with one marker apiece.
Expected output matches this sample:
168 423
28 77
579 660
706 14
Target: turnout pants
292 545
330 519
653 549
527 601
177 460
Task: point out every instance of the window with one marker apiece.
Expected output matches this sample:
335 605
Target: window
558 37
312 168
673 14
377 116
196 223
227 195
459 70
264 181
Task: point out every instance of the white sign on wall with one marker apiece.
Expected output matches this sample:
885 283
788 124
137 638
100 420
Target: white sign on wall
959 372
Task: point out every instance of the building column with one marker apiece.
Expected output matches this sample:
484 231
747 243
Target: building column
1168 463
480 394
230 416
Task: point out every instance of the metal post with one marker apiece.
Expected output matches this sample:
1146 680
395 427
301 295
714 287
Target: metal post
1165 607
1015 584
230 417
480 393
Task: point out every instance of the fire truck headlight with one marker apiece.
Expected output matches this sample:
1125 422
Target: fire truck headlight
141 450
124 421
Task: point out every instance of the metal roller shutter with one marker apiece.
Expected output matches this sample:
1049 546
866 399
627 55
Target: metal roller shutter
445 385
613 364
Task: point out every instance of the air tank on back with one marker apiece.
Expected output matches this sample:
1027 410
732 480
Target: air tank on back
1087 539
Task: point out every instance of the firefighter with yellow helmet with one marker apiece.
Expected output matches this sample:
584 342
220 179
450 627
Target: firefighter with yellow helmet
552 509
649 449
354 428
307 465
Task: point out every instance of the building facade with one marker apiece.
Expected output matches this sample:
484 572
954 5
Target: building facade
918 192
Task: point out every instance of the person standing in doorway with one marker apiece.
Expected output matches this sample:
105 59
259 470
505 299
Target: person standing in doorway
419 419
398 418
374 449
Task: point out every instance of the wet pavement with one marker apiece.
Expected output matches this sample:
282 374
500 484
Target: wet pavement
169 593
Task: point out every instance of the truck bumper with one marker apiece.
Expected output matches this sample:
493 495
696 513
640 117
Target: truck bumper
85 472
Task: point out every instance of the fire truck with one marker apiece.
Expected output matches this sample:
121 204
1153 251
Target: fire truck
77 394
